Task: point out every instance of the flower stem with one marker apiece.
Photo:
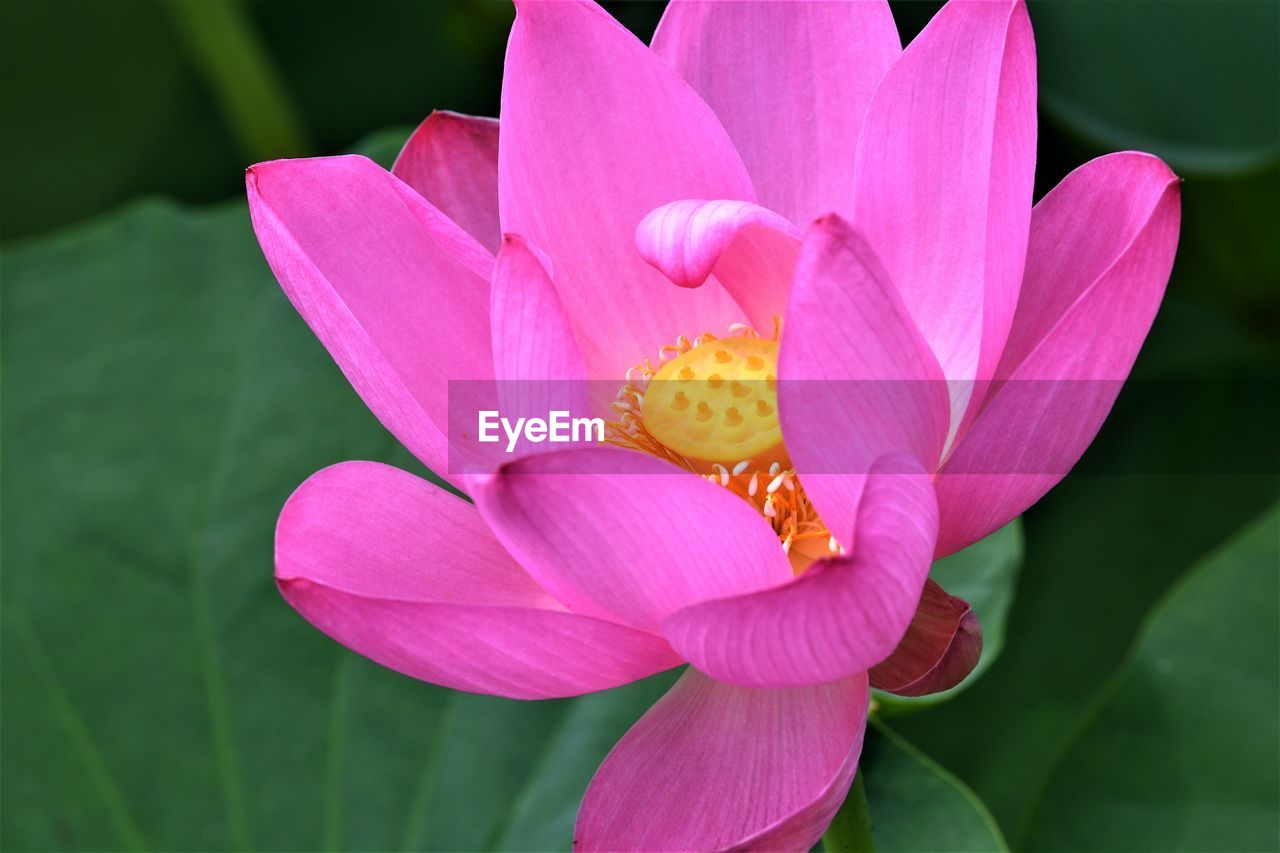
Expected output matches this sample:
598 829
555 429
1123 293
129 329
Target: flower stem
850 832
221 41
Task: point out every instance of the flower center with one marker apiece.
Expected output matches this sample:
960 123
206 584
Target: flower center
711 407
718 402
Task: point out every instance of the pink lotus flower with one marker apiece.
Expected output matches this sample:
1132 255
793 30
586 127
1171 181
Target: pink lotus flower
775 160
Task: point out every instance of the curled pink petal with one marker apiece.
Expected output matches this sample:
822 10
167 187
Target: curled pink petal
790 82
842 616
452 159
397 293
942 646
717 767
857 379
634 541
751 250
596 132
406 574
1102 246
943 179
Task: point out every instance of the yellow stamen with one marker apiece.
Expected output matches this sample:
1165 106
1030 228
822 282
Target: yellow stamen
710 407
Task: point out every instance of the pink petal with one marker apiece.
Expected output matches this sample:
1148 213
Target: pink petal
538 370
407 574
537 361
717 767
751 250
532 338
620 534
942 646
790 82
944 178
397 292
1102 245
857 378
842 616
1079 231
596 132
452 159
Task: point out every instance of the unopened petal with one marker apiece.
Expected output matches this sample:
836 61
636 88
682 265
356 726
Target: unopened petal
942 646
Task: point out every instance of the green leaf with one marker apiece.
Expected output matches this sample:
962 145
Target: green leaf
142 109
1195 83
1175 471
119 70
161 400
543 812
1181 752
917 805
984 574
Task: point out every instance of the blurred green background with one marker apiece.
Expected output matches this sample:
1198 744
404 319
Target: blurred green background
160 400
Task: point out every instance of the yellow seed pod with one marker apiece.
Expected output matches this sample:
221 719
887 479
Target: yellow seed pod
717 402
